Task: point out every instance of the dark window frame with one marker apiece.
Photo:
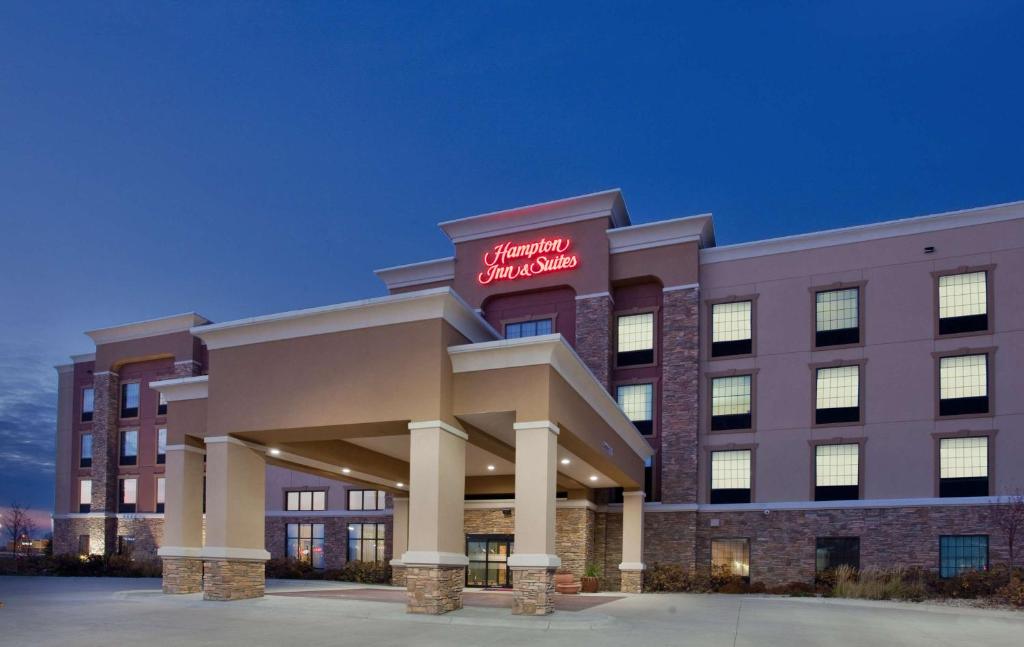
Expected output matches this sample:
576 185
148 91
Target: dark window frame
83 460
860 286
127 508
123 458
161 457
837 495
938 437
87 415
990 357
312 499
861 392
709 419
652 427
945 574
380 500
709 345
990 301
125 411
380 541
314 542
655 331
727 496
830 559
519 321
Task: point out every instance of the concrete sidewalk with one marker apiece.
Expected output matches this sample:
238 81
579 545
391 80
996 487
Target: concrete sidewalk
113 612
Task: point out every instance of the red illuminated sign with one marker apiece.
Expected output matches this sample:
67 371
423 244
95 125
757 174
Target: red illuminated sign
511 261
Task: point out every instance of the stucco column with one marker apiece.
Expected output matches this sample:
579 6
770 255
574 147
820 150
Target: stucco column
632 566
234 553
435 560
534 561
183 520
399 538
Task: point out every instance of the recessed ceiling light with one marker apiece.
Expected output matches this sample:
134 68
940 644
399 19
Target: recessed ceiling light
565 461
490 468
593 478
345 470
400 484
275 452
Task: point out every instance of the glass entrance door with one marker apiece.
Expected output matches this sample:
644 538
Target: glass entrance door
488 561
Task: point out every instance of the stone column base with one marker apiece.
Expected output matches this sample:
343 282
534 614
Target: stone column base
398 576
233 579
182 575
533 592
434 589
632 582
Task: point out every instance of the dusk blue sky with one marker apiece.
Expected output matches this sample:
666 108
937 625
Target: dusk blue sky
247 158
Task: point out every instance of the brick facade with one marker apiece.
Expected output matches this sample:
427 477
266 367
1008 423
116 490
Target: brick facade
231 579
574 533
679 405
593 335
105 430
434 590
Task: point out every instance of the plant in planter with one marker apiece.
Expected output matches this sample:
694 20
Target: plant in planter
590 582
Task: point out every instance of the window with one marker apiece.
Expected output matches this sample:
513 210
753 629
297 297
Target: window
731 556
366 499
959 553
730 403
730 476
837 317
963 385
528 328
305 543
83 545
836 472
833 552
837 395
127 494
161 406
130 400
129 447
125 545
161 446
160 493
963 467
731 329
308 500
85 454
85 495
366 542
635 340
637 402
963 303
88 403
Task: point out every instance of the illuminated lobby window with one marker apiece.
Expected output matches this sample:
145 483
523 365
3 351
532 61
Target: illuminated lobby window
836 472
730 476
963 467
528 328
366 542
963 303
308 500
837 317
731 556
960 553
963 385
366 499
837 395
637 402
730 403
305 543
635 340
731 329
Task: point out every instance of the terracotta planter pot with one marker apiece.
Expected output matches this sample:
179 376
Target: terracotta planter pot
589 584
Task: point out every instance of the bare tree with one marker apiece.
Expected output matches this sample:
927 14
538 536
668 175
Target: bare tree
1008 517
18 524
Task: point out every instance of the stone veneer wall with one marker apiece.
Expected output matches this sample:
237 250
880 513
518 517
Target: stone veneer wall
233 579
574 532
679 389
434 589
182 575
335 536
148 533
593 335
534 592
105 431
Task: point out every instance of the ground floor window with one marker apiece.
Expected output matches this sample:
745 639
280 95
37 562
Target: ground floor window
125 546
959 553
366 542
832 552
731 556
305 543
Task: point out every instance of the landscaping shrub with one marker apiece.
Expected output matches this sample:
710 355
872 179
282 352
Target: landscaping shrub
75 566
362 572
793 589
667 578
1012 593
291 569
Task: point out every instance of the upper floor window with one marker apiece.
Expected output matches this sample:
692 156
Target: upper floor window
635 340
366 542
963 385
127 495
85 455
637 402
366 499
963 303
305 543
85 495
959 553
730 403
836 472
88 403
528 328
161 446
307 500
731 556
730 476
963 466
161 406
161 491
130 400
833 552
731 329
129 447
837 317
837 395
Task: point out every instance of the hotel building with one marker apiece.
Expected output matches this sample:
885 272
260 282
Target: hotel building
569 389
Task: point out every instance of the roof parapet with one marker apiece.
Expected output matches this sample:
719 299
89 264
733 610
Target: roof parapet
148 328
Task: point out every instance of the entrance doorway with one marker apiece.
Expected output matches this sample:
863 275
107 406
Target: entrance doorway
488 561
